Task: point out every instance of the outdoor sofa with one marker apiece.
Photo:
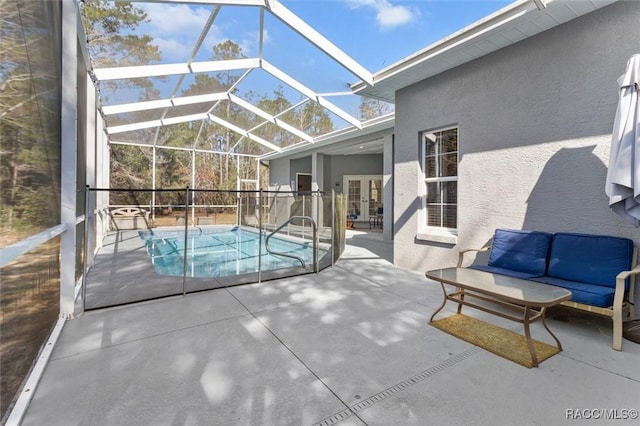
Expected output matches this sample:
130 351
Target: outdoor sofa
598 270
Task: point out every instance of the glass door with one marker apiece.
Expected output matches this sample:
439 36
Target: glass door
354 197
364 196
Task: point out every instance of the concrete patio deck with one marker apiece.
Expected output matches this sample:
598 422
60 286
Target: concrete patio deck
350 346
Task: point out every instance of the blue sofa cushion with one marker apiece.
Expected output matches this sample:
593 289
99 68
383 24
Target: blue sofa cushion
503 271
591 259
522 251
589 294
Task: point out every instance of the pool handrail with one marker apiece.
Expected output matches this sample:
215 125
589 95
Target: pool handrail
293 256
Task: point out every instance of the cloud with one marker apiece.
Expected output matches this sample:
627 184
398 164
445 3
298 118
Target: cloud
250 43
388 16
175 28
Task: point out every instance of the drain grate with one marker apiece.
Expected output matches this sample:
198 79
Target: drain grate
348 412
336 418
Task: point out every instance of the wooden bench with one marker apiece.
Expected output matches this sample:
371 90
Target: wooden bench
124 218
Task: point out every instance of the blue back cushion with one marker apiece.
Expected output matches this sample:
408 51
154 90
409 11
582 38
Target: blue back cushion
593 259
524 251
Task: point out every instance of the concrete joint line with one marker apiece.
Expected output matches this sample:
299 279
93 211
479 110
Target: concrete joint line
380 396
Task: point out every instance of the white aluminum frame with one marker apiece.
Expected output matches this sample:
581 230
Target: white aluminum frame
281 13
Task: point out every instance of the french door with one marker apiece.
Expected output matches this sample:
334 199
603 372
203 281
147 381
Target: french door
364 195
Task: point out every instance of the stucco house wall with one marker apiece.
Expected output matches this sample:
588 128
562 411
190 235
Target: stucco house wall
534 120
279 173
336 166
299 165
283 170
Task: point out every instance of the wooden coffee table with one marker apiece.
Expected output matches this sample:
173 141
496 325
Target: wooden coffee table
529 298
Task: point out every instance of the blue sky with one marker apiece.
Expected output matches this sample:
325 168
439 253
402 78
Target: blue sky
375 33
378 33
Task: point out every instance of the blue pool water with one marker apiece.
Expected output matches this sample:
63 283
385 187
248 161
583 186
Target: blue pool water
219 252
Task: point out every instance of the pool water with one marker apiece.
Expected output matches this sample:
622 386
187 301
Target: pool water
220 252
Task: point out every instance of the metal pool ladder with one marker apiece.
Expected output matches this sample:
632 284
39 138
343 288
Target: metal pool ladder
293 256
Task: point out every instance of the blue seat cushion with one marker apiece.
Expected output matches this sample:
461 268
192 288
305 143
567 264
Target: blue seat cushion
521 251
591 259
589 294
503 271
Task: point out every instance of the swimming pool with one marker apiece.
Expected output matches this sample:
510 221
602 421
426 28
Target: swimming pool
222 251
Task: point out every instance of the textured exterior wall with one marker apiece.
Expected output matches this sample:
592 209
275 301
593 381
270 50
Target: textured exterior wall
279 174
299 165
336 166
283 170
534 121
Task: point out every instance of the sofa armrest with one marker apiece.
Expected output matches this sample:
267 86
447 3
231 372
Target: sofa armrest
626 274
462 252
621 278
618 304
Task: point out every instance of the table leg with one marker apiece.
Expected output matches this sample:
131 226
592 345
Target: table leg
544 323
527 335
444 302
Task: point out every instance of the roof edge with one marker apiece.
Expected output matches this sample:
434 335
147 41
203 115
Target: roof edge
461 36
374 125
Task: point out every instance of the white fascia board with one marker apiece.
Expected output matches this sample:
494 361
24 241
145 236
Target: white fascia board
250 107
310 93
306 31
378 124
227 65
243 132
466 35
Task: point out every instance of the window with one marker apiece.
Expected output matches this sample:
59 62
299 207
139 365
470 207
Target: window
440 166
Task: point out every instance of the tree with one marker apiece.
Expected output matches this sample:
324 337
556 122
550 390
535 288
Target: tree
224 51
372 108
109 28
111 41
314 119
29 118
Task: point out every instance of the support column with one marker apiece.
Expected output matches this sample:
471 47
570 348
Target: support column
317 171
387 184
102 158
317 184
69 156
91 171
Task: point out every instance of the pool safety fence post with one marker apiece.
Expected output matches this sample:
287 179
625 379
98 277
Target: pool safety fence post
238 208
260 236
83 282
186 240
316 236
333 225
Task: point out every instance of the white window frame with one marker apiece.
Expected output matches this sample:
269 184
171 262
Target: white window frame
435 233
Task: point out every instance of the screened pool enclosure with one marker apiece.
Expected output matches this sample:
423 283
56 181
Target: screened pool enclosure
122 118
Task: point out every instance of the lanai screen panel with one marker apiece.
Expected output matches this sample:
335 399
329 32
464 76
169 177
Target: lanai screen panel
205 59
